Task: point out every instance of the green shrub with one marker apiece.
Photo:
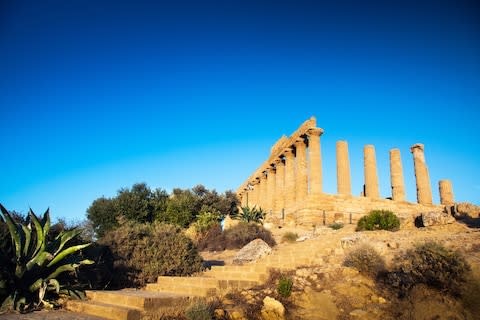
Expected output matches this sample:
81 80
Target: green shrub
199 310
145 251
379 220
366 260
241 234
207 218
31 272
289 237
284 286
430 264
336 226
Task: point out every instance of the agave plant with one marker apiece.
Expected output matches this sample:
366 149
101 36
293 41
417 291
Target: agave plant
30 272
248 214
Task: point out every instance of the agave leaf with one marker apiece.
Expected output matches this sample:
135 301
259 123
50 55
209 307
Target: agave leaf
65 237
13 231
68 267
46 224
67 252
36 285
39 259
19 303
28 237
39 231
54 283
6 304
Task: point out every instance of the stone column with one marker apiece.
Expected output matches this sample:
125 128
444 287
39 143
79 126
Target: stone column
446 192
370 171
343 169
270 189
424 190
279 185
315 160
396 176
243 197
301 174
254 199
262 201
289 190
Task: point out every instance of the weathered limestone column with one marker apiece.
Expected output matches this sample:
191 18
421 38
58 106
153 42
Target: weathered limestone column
301 173
424 190
289 190
262 201
315 160
279 185
370 171
343 169
446 192
243 198
270 189
396 176
254 199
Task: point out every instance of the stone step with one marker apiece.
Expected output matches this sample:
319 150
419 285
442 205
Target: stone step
189 290
219 283
103 310
139 299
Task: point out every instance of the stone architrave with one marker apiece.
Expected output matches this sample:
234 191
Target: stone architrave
446 192
271 179
279 185
315 160
396 176
424 189
289 190
262 201
301 173
370 171
343 169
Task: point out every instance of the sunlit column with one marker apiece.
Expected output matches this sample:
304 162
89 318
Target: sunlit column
343 169
315 160
424 190
301 177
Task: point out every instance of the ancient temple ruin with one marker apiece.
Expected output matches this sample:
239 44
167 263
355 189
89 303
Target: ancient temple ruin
288 185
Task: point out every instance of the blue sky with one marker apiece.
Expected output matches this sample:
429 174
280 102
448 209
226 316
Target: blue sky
98 95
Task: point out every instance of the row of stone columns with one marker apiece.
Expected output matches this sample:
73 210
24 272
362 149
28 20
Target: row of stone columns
289 179
371 189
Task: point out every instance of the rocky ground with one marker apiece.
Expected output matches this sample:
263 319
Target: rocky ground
330 290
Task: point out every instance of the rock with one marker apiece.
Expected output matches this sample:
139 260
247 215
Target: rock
253 251
348 242
272 309
237 314
219 314
465 209
304 237
358 313
436 218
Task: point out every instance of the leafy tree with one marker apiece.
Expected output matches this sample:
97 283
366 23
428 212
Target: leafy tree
135 204
180 208
103 215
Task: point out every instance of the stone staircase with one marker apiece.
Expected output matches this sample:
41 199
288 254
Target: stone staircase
217 281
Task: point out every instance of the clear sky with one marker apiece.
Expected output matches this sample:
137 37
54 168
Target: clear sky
98 95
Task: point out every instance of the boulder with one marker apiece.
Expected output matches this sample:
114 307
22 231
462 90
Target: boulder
253 251
465 209
272 309
436 218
